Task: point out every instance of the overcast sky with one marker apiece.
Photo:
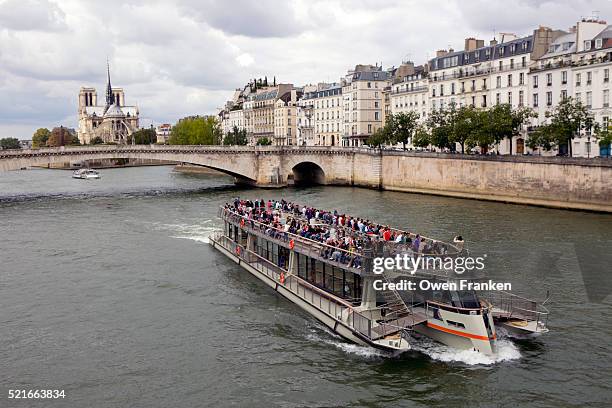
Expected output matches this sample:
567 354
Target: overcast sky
185 57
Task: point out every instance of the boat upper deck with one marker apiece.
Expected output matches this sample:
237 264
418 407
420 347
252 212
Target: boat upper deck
340 233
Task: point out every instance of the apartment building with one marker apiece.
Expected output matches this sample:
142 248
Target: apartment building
577 64
362 97
259 108
484 75
305 112
410 91
322 110
285 118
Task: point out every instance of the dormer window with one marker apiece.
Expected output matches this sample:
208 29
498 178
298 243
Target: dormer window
598 43
587 45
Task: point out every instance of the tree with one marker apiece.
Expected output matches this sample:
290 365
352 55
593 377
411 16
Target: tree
543 137
264 141
421 138
440 124
568 118
465 124
401 127
380 137
519 117
604 135
96 140
144 136
74 141
480 130
196 131
40 137
10 143
235 137
60 136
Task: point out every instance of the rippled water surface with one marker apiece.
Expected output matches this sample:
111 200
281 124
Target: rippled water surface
109 290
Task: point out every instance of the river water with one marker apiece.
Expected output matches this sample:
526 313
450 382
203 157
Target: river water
109 291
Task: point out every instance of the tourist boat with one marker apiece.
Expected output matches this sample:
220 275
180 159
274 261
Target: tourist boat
339 287
86 174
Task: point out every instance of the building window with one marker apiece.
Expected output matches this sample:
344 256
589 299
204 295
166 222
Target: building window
521 78
535 81
578 78
606 75
578 96
453 88
563 77
548 79
521 98
598 43
498 98
589 77
510 98
369 128
548 98
499 81
510 80
524 59
589 99
606 98
587 45
535 100
484 101
369 84
563 94
376 115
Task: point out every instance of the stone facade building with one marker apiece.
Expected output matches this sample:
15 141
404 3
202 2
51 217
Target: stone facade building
362 91
113 122
326 110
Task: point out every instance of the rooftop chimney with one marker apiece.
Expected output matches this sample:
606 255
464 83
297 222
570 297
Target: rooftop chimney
472 43
441 53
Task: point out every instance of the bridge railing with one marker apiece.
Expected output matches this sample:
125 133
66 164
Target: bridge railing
153 148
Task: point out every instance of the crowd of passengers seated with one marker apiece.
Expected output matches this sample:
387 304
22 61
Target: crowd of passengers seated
351 233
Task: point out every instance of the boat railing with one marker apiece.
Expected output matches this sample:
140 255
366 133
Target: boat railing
319 298
510 305
315 249
439 248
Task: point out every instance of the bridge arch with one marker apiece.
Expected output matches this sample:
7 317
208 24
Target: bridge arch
308 173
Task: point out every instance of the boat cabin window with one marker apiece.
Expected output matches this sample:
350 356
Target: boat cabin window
468 299
272 252
331 278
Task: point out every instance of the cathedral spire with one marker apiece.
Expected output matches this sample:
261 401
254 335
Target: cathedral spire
110 97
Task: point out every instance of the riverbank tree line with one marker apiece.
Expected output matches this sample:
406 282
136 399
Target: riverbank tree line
467 127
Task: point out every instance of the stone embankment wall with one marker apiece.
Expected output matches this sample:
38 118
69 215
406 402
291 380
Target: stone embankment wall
554 182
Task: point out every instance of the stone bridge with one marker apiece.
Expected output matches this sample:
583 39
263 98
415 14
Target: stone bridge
559 182
265 166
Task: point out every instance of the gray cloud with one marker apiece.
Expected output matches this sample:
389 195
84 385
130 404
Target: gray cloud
262 18
39 15
179 58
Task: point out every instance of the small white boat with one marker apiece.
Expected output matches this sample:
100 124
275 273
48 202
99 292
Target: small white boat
86 174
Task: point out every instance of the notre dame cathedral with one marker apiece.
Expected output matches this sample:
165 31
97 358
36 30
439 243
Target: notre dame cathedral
113 122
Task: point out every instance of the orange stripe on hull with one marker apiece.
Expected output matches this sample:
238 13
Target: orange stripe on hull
460 333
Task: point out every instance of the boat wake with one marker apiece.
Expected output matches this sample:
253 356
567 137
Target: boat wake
332 339
195 232
506 351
